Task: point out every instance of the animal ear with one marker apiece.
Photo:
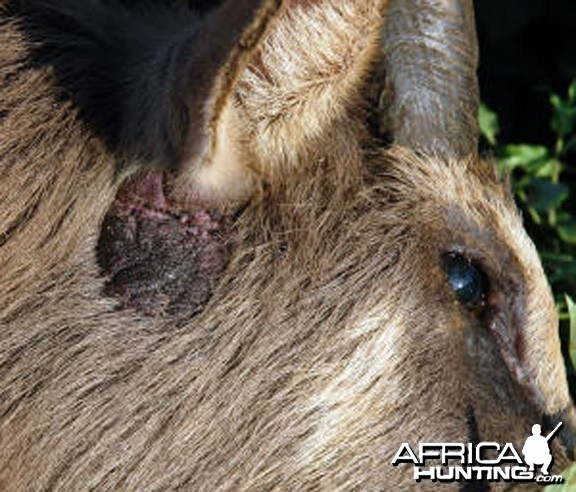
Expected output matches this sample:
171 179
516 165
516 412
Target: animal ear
430 99
292 71
230 38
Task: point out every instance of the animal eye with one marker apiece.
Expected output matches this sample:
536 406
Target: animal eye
466 279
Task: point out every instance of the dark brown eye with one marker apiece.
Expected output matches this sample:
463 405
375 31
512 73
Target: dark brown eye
466 279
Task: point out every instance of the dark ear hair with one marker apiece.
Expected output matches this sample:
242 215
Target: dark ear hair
152 80
219 99
430 100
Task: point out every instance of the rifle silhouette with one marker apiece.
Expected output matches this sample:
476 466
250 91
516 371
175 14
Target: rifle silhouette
553 432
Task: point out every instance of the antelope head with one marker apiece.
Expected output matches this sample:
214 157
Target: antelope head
365 292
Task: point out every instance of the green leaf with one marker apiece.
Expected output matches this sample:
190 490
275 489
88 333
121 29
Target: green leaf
544 195
556 100
489 126
564 112
572 93
557 258
572 313
566 227
569 481
563 120
567 272
546 168
527 157
561 266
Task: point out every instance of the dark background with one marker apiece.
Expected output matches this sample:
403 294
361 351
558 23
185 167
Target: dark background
526 46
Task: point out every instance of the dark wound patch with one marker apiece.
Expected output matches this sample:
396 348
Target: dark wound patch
160 262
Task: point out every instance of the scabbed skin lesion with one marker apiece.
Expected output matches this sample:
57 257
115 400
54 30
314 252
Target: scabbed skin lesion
157 258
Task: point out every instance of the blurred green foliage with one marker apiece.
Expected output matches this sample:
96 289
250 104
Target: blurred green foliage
569 484
544 185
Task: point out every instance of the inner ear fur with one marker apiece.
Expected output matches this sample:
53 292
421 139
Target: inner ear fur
229 39
297 66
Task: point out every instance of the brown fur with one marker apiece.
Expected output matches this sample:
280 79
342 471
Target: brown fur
332 337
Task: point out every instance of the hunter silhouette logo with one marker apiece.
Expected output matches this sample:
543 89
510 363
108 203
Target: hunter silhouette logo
484 461
536 450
